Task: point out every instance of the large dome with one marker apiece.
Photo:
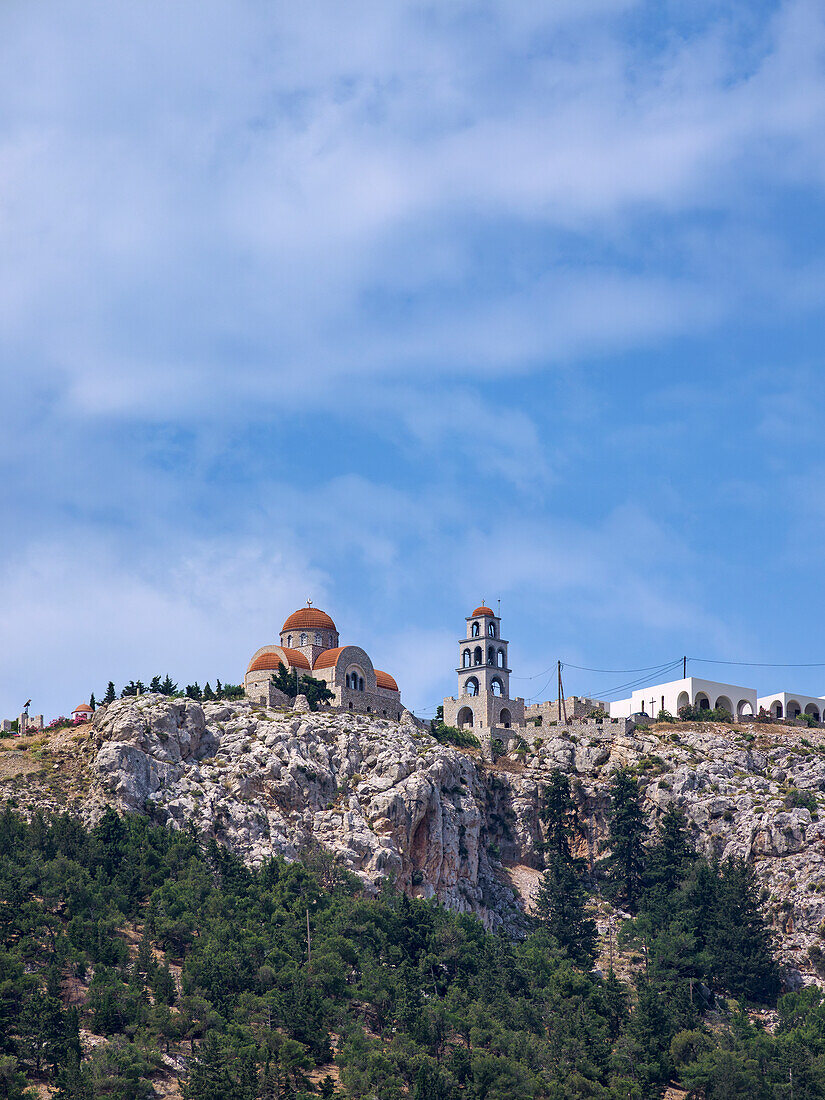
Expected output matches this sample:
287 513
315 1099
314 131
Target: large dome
309 618
384 680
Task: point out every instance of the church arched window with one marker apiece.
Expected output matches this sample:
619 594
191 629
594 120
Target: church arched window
303 639
491 656
491 629
477 655
289 641
465 659
476 630
471 686
360 683
317 639
501 658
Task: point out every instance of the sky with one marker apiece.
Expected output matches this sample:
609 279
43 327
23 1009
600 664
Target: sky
402 306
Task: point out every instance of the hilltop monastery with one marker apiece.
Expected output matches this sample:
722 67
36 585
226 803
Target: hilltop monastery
310 645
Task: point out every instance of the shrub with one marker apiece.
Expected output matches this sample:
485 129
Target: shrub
450 735
803 800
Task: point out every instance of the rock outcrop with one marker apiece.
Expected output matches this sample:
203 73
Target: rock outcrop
387 800
385 797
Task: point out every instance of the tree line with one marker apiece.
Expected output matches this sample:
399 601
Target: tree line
166 686
164 943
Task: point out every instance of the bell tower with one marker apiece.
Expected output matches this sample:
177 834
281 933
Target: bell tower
483 702
482 660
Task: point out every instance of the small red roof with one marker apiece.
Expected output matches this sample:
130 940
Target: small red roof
483 610
384 680
84 707
329 658
272 659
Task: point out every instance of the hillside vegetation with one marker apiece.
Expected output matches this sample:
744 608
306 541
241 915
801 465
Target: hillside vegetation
137 961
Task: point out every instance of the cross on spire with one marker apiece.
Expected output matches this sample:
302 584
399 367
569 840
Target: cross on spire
309 602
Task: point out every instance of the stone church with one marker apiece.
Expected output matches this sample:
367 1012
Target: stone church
310 645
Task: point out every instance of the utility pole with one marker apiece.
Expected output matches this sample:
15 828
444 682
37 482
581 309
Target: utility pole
562 705
684 668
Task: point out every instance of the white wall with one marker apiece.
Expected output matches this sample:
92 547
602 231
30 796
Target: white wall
678 693
789 702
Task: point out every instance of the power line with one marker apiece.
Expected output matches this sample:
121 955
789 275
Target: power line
758 664
641 682
647 668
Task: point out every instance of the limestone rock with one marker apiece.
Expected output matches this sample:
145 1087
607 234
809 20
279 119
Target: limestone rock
387 800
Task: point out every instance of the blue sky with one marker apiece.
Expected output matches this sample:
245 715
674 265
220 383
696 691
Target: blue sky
400 306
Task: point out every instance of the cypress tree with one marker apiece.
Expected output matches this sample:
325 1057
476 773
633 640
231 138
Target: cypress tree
561 900
110 695
92 701
625 865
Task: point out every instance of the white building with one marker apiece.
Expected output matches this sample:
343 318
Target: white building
741 702
784 704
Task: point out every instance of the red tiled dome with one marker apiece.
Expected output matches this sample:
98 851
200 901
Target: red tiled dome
483 610
84 707
309 618
329 658
384 680
273 660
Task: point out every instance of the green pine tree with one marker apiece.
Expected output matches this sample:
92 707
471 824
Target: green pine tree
208 693
316 691
218 690
561 902
110 695
168 687
155 685
193 691
627 831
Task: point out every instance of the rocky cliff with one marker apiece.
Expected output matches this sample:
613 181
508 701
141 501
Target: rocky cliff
390 801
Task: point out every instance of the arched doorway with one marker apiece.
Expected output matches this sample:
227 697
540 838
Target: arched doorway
793 709
744 708
505 718
777 710
813 710
702 701
465 718
723 703
682 701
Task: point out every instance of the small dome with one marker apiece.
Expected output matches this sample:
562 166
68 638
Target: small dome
82 708
384 680
272 660
309 618
483 610
329 658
